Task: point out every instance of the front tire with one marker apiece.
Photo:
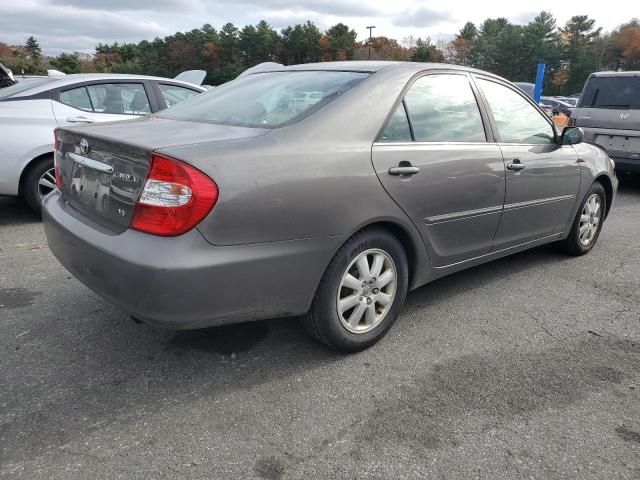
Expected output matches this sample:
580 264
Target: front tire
38 182
587 224
361 293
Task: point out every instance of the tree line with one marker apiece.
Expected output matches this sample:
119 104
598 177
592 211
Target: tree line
570 52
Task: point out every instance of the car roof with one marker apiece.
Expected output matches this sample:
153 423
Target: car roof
371 66
72 79
616 74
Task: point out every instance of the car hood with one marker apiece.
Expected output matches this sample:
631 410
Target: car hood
153 133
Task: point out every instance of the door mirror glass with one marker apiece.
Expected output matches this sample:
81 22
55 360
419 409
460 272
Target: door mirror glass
572 136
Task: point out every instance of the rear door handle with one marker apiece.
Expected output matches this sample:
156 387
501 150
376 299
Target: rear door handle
404 170
80 120
516 166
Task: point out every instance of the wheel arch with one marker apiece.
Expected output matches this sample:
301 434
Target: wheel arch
411 245
606 183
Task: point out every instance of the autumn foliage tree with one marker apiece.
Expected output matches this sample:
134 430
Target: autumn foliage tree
571 52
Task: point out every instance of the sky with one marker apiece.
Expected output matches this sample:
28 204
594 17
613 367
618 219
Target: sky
78 25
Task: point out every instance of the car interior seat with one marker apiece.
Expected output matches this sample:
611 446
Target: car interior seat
113 101
139 104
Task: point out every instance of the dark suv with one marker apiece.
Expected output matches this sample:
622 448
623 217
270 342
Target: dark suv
609 114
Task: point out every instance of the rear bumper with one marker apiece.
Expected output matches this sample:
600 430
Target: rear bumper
626 164
622 164
185 282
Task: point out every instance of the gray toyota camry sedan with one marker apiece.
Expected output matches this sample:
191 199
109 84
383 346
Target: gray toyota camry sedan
321 190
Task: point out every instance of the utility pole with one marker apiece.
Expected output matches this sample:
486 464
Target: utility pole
370 30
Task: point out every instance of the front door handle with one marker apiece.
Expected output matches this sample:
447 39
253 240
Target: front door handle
516 165
80 120
404 168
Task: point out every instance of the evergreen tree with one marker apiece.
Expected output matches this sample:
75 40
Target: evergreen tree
342 41
67 63
579 35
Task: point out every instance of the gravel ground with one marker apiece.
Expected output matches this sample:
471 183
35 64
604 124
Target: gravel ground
528 367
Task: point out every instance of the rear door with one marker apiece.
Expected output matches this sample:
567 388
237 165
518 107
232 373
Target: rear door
542 177
102 102
434 159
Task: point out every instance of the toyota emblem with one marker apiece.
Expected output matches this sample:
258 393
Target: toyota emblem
84 146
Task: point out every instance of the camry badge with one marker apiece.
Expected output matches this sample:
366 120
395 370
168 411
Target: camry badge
125 177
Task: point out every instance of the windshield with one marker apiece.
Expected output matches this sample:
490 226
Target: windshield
266 100
612 92
23 85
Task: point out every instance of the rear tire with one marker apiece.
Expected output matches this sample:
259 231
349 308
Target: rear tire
587 224
38 181
361 293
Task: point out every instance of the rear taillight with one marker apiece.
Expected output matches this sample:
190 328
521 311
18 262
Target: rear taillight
175 198
56 161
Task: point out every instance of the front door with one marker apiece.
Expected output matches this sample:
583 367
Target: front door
434 160
542 177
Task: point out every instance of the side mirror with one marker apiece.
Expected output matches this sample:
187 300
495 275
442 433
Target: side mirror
571 136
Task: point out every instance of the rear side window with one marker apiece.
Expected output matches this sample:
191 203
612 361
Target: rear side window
77 98
397 130
174 95
23 86
612 92
443 108
114 98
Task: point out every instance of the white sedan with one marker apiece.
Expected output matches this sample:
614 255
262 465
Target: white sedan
31 109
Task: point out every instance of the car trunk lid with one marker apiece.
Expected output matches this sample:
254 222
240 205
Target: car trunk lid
103 167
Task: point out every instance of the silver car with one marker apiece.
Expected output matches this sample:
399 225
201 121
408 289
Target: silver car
326 190
32 108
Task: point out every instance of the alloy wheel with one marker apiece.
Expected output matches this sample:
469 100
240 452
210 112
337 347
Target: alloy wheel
46 183
367 291
590 219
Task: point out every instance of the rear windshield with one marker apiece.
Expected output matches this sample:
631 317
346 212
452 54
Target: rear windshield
22 86
266 100
612 92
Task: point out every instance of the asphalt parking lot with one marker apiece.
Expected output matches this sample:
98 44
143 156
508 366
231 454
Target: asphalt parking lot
528 367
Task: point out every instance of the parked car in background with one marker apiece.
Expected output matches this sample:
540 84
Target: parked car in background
547 108
557 105
326 190
527 88
31 108
571 101
609 114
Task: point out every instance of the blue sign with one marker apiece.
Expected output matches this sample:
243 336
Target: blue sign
537 91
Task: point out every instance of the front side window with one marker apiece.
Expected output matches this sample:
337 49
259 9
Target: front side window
174 95
443 108
266 100
517 120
